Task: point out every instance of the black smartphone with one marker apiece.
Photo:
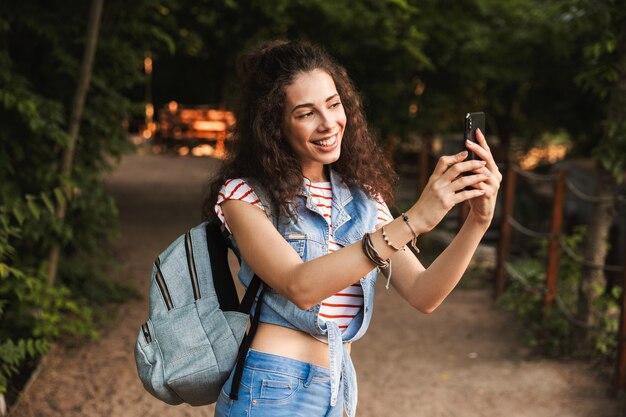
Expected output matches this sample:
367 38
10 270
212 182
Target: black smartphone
473 121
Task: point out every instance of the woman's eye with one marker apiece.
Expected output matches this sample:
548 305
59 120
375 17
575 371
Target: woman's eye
335 105
304 115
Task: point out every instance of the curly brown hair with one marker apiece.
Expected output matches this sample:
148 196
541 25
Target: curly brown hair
261 152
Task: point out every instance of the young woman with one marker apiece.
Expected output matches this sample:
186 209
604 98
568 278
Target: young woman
304 154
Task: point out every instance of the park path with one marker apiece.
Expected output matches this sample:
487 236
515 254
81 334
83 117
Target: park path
465 359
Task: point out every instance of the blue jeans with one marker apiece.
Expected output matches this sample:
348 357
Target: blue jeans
276 386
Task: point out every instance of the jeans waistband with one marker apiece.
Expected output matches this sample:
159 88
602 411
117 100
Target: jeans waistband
288 366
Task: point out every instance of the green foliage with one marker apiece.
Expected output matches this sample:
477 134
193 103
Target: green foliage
515 60
31 311
611 150
599 27
597 24
520 61
550 331
13 354
605 338
41 47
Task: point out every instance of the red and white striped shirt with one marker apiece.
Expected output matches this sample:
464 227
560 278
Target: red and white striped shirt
344 305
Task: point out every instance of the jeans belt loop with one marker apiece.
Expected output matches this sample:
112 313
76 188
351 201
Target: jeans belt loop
309 377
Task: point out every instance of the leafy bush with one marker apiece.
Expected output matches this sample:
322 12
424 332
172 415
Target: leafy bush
41 45
550 331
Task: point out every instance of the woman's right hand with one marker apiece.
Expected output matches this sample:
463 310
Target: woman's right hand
445 189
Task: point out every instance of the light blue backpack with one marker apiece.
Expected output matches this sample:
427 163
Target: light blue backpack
193 337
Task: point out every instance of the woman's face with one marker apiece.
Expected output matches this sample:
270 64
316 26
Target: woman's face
314 121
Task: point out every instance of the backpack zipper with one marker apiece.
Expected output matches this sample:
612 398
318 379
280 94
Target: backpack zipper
192 266
162 286
146 332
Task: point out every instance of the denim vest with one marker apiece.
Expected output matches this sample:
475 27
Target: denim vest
353 214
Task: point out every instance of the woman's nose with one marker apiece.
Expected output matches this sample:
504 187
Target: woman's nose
327 121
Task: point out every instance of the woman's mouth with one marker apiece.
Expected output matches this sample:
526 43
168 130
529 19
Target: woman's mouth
328 143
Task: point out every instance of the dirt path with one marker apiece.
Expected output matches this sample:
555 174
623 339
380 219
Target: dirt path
465 359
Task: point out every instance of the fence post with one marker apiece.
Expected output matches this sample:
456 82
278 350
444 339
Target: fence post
504 243
620 377
556 228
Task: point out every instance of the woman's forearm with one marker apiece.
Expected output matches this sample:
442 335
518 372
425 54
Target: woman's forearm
319 278
434 284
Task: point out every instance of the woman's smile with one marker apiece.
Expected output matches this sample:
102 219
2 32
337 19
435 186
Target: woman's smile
328 143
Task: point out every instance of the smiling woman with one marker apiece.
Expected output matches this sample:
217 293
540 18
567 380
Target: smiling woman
303 196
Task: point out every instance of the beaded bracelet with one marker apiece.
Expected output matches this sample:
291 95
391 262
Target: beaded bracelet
414 240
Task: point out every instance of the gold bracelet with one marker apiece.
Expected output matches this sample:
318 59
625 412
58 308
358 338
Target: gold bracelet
386 239
414 240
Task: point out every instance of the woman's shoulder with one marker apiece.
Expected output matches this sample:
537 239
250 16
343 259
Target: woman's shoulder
236 189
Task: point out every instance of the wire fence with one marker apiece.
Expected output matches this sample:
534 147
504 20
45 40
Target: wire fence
543 290
534 176
543 235
618 200
526 231
563 244
579 259
575 190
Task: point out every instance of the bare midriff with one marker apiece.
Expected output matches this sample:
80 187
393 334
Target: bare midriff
291 343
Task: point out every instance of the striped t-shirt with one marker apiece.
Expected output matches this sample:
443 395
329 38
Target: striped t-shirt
344 305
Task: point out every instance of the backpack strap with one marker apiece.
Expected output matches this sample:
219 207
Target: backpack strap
226 292
247 340
222 279
248 299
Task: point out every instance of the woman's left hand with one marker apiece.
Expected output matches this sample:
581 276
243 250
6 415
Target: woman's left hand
482 207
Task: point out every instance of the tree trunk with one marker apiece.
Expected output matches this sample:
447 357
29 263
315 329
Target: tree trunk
78 104
592 280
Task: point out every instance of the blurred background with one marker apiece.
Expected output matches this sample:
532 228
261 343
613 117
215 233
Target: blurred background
113 114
